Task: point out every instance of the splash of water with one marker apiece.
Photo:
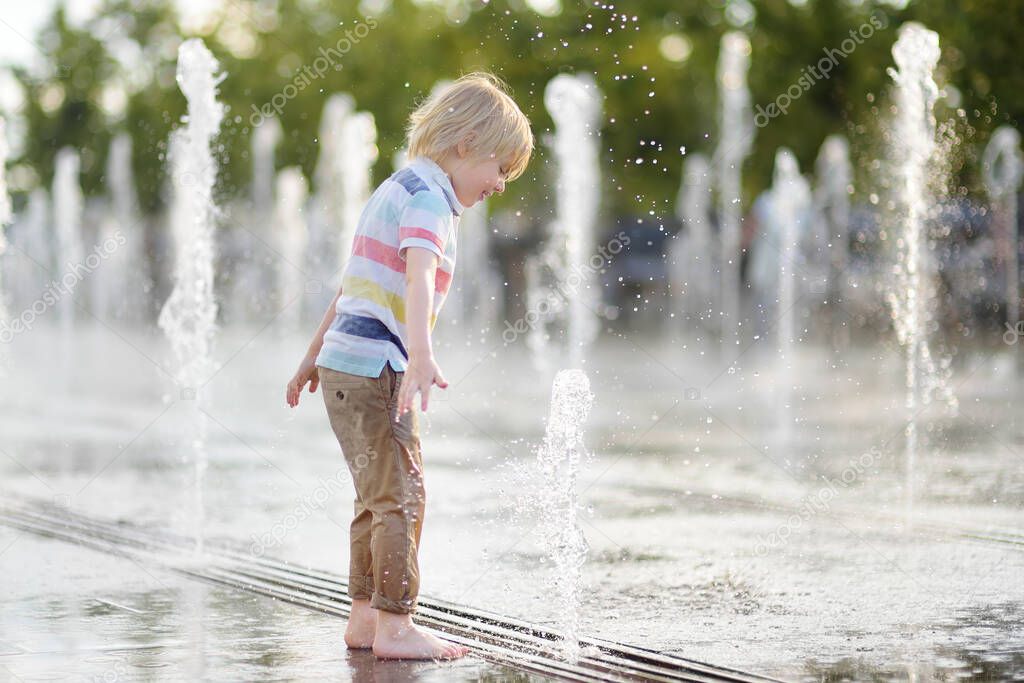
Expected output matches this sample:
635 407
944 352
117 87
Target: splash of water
472 296
833 183
122 185
357 155
1003 169
293 238
248 232
189 316
348 150
121 285
790 209
29 235
736 135
6 215
574 103
695 250
916 53
558 461
67 216
534 271
791 198
327 200
264 141
328 165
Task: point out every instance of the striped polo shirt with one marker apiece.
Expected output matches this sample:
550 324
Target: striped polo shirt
415 207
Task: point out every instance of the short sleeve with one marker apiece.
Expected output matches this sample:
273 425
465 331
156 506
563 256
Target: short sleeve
425 222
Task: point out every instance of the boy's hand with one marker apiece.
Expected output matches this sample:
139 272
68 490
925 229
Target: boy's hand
307 372
421 374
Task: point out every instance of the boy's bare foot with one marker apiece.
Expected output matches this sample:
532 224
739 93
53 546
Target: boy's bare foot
398 638
362 624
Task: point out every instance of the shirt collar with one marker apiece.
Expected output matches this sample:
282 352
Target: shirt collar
433 170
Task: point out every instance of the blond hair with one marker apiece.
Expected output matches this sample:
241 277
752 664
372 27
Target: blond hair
476 103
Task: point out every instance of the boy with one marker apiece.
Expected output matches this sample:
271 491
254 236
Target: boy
372 352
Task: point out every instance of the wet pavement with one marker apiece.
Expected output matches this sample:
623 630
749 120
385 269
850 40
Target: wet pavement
714 535
70 613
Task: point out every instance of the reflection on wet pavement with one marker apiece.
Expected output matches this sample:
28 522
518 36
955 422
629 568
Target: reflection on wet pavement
72 613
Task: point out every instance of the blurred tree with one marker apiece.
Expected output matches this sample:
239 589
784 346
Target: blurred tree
981 59
653 60
62 104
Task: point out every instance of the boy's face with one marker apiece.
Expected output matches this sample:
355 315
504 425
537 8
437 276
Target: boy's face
475 178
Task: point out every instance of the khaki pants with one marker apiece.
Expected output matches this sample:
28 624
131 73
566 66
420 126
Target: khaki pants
384 459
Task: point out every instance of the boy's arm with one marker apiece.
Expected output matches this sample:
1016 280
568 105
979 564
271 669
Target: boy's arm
422 373
420 269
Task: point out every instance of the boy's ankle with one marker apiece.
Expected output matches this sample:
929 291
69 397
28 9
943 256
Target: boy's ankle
392 622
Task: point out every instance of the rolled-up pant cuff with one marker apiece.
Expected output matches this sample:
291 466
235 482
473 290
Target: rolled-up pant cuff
407 606
360 587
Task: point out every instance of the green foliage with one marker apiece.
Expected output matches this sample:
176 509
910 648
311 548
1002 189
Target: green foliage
412 45
77 67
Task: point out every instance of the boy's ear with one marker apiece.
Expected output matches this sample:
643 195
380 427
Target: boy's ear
465 144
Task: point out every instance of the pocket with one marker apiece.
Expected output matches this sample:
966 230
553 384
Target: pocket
393 385
339 384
